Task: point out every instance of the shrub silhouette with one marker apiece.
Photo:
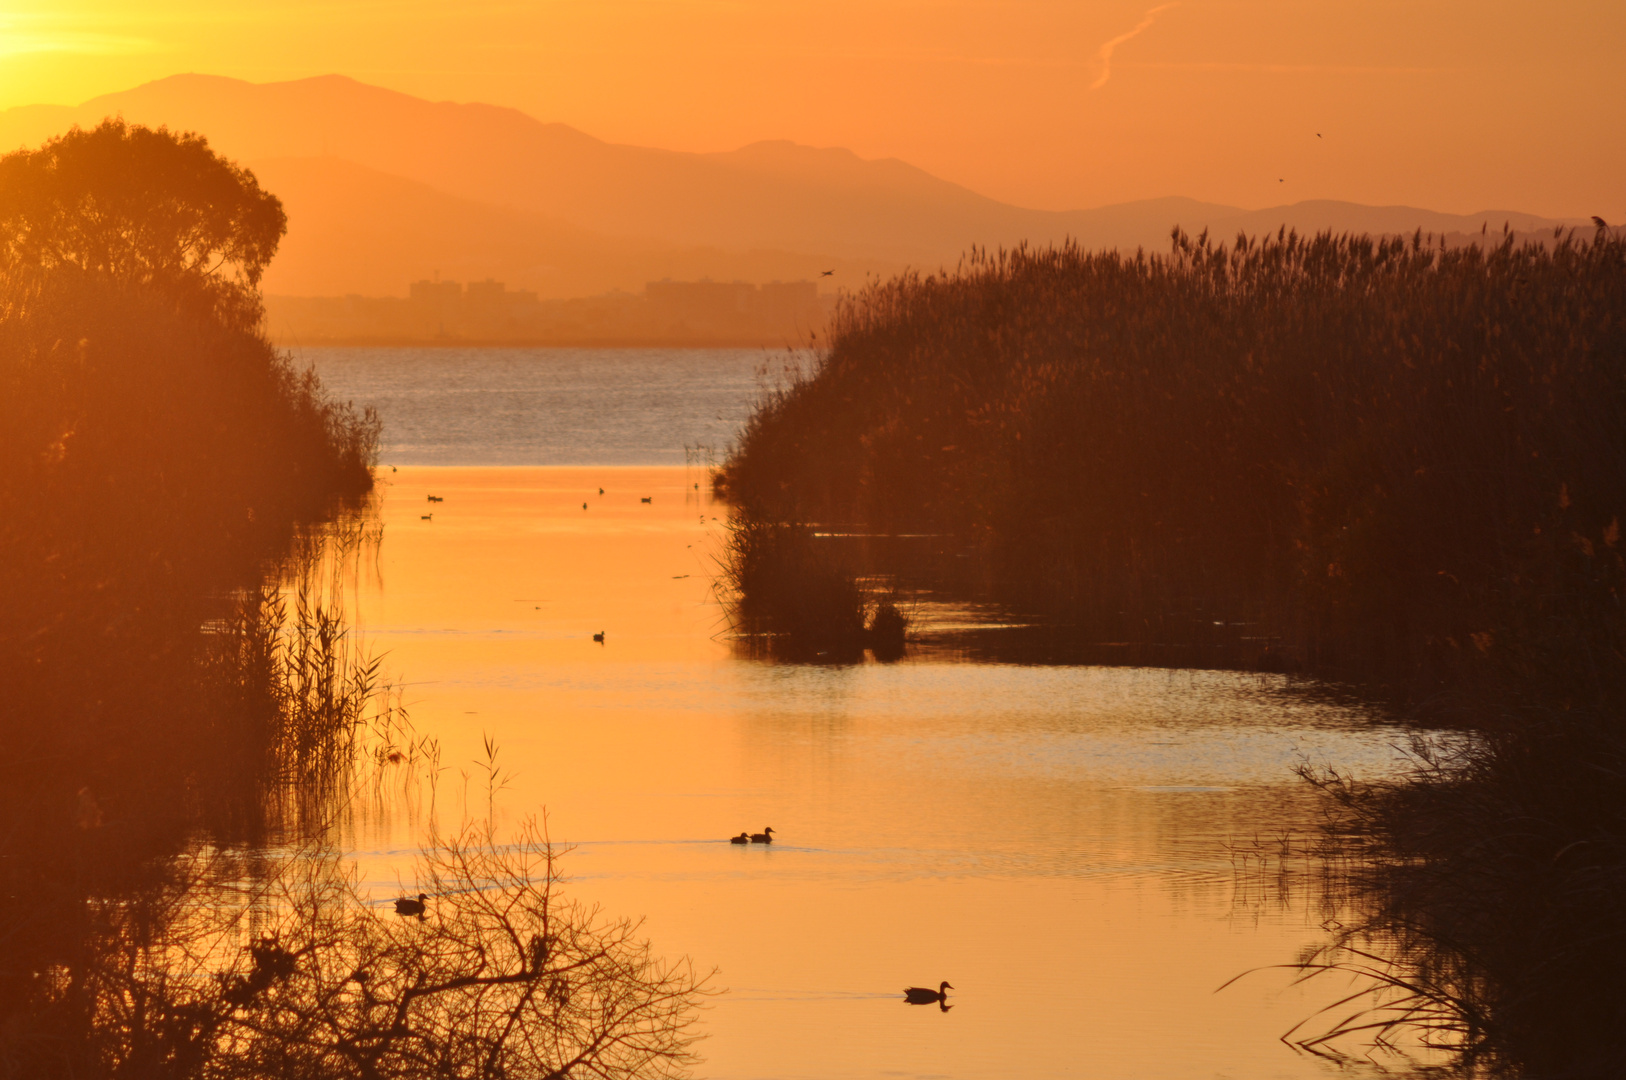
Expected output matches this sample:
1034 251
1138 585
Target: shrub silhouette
217 968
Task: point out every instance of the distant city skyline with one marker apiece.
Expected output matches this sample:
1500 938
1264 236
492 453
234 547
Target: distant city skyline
1249 103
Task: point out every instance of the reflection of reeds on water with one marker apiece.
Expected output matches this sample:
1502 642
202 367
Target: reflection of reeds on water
297 703
790 593
1483 901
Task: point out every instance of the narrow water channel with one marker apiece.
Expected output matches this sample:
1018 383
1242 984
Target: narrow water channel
1076 849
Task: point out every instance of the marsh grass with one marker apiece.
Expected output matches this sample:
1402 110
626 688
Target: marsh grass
791 593
1486 897
1388 457
302 726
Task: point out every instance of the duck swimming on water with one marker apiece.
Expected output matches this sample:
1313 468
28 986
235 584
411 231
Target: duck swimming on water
920 995
404 906
763 837
743 838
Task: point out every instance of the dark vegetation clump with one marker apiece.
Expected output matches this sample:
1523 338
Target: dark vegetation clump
1395 460
226 966
794 595
1488 891
158 458
164 470
1402 466
185 707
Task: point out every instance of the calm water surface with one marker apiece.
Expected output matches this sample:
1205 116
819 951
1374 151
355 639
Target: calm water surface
1052 840
1057 842
549 406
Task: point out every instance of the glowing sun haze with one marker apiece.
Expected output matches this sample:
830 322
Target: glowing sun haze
1456 106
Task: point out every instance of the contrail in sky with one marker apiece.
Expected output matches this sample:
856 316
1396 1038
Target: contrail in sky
1105 53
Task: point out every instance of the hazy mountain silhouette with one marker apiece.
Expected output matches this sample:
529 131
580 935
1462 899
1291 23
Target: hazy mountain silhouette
496 189
352 229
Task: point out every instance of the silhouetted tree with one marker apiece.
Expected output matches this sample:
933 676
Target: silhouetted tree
144 207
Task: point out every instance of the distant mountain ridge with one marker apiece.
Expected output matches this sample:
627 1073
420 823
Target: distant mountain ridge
383 187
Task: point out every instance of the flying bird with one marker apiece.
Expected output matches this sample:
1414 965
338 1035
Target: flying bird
826 273
1318 134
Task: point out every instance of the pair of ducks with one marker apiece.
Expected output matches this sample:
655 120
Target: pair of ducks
763 837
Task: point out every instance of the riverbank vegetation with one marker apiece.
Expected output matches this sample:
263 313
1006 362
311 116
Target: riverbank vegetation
158 458
1481 901
1381 461
1388 460
792 595
164 471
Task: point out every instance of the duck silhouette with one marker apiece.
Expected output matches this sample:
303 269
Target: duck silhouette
920 995
743 838
763 837
404 906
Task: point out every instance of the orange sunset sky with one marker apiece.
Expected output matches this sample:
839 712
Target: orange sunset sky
1057 104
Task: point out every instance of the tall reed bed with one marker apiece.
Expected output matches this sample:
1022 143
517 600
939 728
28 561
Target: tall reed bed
1397 458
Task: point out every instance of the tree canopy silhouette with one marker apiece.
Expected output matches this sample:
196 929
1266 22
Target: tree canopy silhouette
145 207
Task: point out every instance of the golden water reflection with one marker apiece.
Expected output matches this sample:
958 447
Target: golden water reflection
1051 840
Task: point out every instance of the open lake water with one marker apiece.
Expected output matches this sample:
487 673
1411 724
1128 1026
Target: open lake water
1072 847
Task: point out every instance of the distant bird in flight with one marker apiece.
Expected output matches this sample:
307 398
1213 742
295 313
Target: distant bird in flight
1318 134
826 273
1599 222
1279 180
584 506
